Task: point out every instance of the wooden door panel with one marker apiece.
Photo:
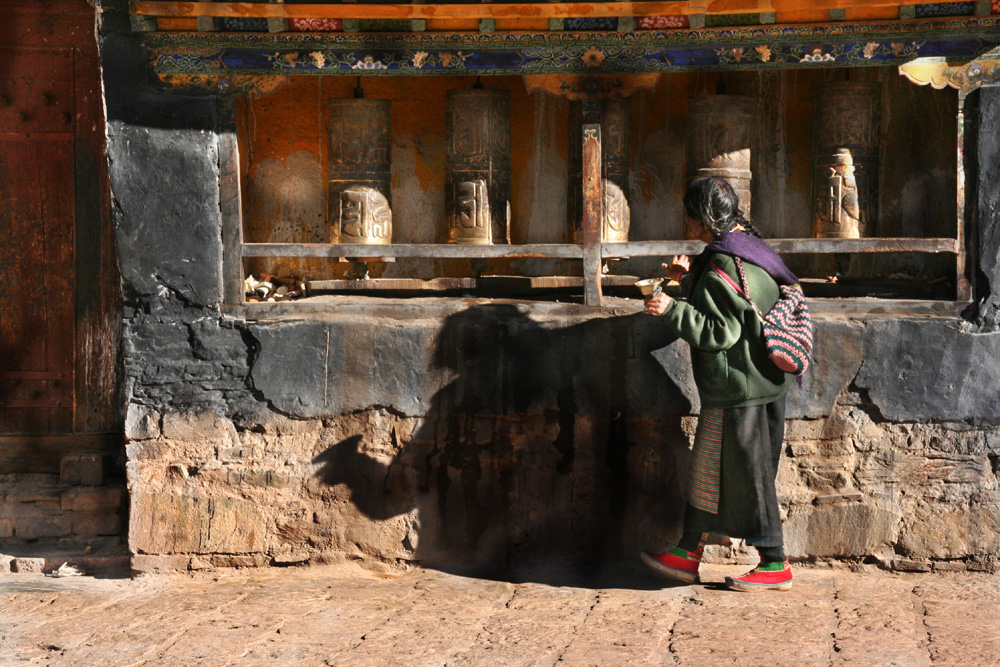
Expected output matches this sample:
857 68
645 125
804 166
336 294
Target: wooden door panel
37 223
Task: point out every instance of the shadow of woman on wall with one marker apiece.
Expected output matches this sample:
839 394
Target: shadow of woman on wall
548 440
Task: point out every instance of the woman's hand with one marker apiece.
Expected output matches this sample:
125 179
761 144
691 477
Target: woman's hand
678 266
657 304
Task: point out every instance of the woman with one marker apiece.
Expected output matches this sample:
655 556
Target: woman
730 488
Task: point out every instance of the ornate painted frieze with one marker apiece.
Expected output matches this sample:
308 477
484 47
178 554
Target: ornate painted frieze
315 25
760 47
945 9
592 23
665 22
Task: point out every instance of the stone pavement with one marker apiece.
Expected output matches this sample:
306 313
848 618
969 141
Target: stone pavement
346 615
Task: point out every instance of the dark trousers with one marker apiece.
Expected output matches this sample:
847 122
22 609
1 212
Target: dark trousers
752 440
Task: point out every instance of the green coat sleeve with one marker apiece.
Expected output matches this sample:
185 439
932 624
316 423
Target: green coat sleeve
712 320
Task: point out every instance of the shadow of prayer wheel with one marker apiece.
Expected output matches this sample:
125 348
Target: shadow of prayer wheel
845 172
358 135
477 168
720 129
615 128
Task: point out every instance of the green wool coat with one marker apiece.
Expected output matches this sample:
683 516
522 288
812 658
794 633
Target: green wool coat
730 363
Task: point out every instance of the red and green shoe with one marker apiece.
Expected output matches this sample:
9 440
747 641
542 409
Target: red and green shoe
678 564
766 576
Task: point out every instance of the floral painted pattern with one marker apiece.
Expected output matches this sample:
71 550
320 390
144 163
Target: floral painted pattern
945 9
664 22
228 24
315 25
601 23
995 7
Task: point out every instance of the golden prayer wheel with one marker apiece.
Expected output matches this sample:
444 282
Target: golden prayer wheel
615 127
477 168
358 135
720 129
845 166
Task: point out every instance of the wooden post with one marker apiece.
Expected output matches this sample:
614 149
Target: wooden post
963 284
592 214
231 205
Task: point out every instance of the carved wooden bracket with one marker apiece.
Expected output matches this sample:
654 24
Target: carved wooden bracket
939 72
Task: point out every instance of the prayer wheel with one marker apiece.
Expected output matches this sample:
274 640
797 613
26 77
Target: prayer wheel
477 168
615 127
720 129
845 173
358 134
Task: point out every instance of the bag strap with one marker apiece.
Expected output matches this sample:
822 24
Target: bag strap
737 288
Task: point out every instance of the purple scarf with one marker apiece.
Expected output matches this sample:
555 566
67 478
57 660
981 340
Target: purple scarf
750 248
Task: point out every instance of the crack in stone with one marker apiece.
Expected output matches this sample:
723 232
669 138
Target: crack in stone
577 626
837 648
918 599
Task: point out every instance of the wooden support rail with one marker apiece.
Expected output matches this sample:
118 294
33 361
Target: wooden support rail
499 10
788 246
573 251
441 251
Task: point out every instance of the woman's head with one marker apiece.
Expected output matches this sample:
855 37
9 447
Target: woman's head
713 203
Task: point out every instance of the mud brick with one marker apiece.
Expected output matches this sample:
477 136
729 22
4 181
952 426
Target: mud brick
35 527
82 469
28 565
92 498
92 524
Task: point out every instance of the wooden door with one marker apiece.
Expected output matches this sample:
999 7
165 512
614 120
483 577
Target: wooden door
59 287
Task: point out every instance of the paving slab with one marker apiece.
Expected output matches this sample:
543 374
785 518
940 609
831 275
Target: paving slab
618 615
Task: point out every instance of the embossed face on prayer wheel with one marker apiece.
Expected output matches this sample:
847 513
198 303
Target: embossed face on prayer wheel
720 131
845 172
615 128
477 169
358 133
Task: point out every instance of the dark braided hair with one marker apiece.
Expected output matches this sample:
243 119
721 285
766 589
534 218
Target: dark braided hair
713 202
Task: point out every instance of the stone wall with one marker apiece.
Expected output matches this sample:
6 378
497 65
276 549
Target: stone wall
491 432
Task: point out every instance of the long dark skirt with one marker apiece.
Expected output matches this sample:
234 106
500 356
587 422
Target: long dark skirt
752 440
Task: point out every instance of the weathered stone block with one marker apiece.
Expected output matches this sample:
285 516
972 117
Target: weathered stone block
240 560
837 349
6 563
141 422
840 530
6 528
945 530
162 523
207 426
28 565
39 526
97 523
143 563
92 499
909 565
82 469
34 490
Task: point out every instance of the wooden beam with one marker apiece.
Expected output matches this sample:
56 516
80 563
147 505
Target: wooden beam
498 10
556 250
789 246
230 204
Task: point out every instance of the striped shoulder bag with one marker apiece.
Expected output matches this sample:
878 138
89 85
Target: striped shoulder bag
787 326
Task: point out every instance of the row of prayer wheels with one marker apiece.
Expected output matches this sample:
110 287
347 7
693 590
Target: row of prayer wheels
478 167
